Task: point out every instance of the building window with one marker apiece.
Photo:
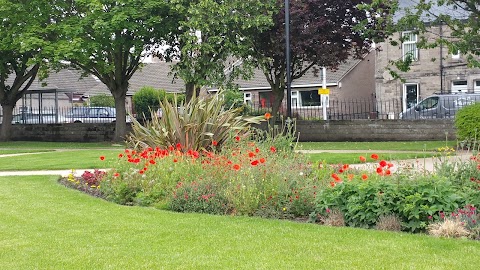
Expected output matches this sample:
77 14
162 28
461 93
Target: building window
409 45
456 56
476 86
295 99
306 99
459 86
247 98
410 95
265 99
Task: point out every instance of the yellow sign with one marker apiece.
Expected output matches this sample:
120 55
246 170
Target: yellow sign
322 91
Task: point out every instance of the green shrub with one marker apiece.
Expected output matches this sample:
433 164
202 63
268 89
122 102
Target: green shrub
147 99
467 122
415 202
102 100
195 125
200 197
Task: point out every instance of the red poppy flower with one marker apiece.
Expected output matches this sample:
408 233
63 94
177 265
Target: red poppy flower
388 172
151 161
389 165
364 177
254 163
175 160
120 155
214 143
383 163
236 167
273 149
374 156
170 148
262 160
345 166
332 184
257 150
141 172
237 138
268 116
116 174
363 159
379 170
179 146
251 154
102 157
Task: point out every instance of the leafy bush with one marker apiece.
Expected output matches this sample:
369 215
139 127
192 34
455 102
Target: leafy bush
102 100
467 122
200 197
194 125
147 99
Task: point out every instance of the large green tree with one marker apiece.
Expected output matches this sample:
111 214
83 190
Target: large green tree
109 39
214 33
25 40
323 33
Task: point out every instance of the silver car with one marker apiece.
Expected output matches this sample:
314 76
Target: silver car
92 115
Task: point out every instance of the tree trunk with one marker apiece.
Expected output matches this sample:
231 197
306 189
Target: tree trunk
191 89
278 96
6 127
121 116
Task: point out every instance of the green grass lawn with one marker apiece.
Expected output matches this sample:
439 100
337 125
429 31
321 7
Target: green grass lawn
394 146
57 145
74 159
44 225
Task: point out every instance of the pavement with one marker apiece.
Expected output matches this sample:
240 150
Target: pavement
420 164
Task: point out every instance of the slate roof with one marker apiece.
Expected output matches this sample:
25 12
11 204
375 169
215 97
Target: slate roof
157 75
457 13
66 80
333 77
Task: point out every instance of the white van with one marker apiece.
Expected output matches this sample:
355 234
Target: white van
440 106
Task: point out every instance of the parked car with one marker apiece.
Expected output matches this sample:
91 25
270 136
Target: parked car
440 106
38 118
92 115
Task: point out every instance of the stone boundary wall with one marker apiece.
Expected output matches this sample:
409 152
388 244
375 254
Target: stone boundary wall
377 130
341 130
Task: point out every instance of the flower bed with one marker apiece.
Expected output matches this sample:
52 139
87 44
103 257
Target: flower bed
257 179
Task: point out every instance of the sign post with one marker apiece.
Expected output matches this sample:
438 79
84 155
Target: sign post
324 97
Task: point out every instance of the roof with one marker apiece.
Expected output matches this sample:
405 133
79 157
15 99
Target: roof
156 75
452 10
310 79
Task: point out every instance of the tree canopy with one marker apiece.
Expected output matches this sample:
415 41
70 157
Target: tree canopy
24 44
213 33
109 39
324 33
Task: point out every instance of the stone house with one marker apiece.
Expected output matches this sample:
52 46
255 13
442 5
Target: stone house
435 70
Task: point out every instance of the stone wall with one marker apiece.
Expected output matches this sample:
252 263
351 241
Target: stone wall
376 130
344 130
75 132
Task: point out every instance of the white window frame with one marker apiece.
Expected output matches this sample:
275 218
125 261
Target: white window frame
296 98
456 56
409 45
247 98
459 88
476 86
